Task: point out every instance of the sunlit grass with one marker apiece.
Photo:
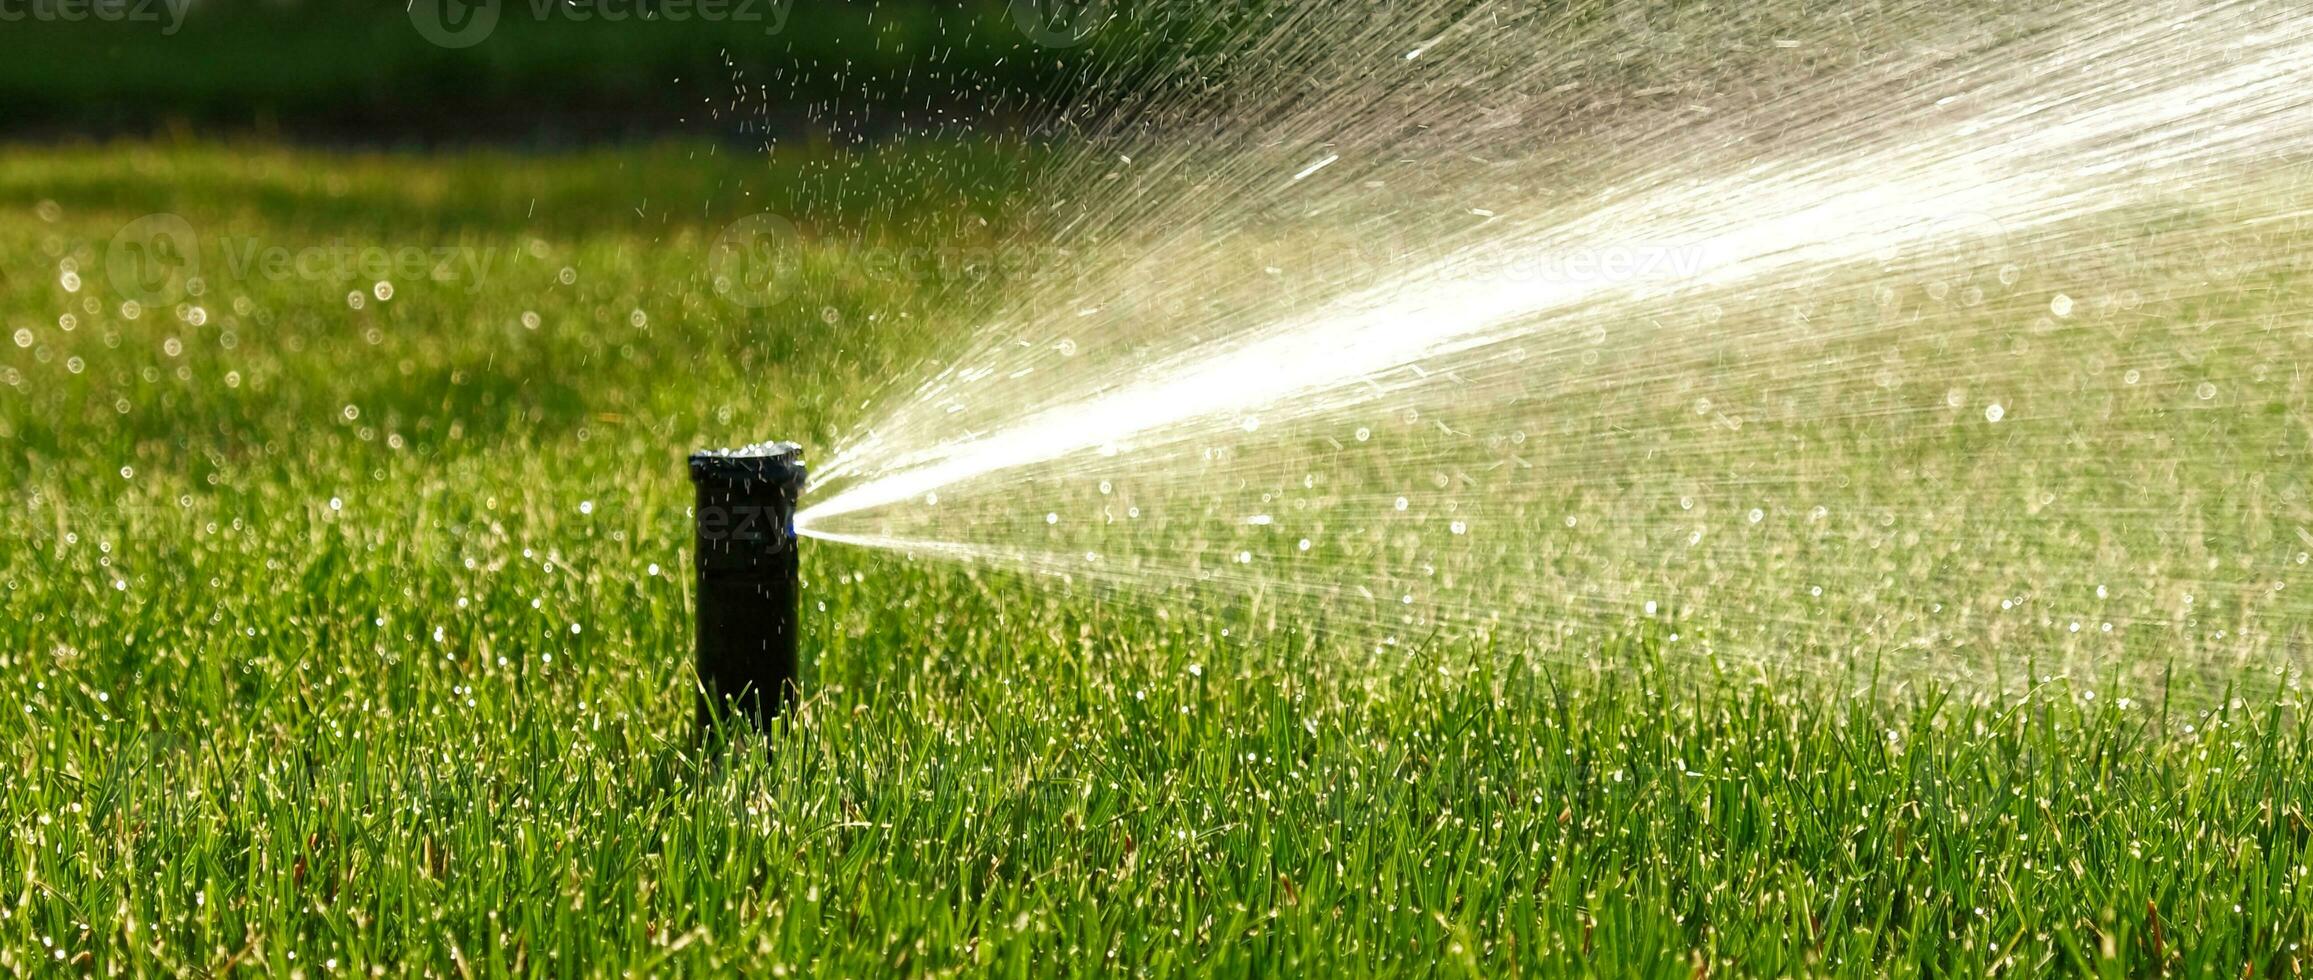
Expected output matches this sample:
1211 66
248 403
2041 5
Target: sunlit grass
338 638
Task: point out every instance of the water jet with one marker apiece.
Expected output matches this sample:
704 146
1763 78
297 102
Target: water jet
745 562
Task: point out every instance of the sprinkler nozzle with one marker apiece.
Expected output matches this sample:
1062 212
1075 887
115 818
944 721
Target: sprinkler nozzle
747 576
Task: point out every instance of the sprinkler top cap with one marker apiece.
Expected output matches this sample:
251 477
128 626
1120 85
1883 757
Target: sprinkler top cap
766 462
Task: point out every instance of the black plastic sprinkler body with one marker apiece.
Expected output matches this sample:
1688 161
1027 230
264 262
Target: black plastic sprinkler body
747 570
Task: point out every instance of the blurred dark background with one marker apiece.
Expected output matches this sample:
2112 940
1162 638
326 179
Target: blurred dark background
542 73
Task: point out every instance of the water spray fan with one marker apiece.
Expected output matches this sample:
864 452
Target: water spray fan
745 559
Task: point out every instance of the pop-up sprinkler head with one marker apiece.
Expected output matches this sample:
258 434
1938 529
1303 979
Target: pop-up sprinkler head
747 572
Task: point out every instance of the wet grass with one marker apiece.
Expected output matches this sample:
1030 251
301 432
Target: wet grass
342 638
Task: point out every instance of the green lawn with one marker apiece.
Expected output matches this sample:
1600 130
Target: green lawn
343 634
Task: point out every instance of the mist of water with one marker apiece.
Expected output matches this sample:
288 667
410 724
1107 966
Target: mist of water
1798 336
